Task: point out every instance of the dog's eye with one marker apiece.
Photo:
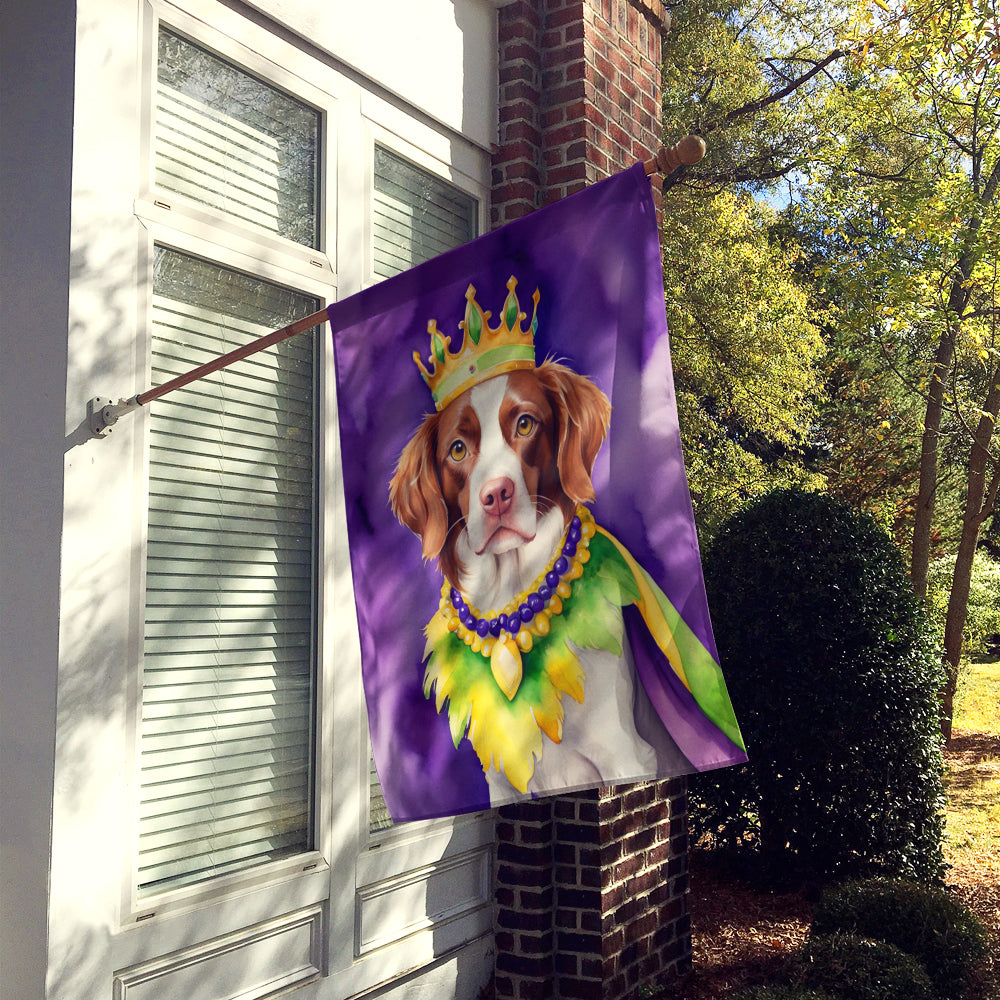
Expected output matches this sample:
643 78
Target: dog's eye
457 451
525 425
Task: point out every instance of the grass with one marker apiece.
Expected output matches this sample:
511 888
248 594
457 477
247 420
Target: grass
973 783
972 848
978 698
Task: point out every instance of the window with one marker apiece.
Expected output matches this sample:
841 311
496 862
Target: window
416 215
229 648
227 140
228 690
252 800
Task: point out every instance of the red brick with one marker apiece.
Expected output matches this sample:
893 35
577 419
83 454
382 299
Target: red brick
521 90
538 966
514 875
581 989
518 111
642 882
536 944
520 130
518 49
553 117
567 964
535 989
520 920
576 941
563 53
530 899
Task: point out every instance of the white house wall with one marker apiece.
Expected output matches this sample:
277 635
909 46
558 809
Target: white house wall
437 55
74 294
36 110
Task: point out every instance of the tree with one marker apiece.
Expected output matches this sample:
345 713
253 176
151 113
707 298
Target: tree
747 353
911 183
747 358
746 77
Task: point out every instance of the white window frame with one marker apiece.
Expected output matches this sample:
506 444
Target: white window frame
180 224
351 873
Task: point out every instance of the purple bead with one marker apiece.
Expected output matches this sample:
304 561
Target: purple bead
562 564
465 616
495 627
552 579
456 597
536 603
514 623
569 549
525 612
503 621
574 534
482 628
544 591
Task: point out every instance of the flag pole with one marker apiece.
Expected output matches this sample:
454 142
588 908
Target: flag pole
103 413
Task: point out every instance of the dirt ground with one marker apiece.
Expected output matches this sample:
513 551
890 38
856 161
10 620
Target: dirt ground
742 935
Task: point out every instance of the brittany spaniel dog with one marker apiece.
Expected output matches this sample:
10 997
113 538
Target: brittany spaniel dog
489 484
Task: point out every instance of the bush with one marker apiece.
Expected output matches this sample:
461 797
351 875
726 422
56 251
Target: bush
856 968
834 673
982 620
782 993
925 922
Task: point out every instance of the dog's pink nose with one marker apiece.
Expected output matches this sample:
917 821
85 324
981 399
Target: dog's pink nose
497 495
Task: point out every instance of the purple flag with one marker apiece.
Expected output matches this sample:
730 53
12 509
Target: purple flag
528 586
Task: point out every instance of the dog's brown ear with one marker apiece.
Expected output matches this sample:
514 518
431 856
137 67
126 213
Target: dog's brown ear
415 492
584 415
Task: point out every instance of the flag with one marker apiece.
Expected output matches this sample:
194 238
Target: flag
529 595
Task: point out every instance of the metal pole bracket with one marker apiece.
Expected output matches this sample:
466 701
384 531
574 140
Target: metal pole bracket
103 413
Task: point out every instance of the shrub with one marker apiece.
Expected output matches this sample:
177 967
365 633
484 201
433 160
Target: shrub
782 993
982 620
834 673
926 922
856 968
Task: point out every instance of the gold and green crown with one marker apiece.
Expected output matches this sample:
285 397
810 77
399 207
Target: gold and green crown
485 350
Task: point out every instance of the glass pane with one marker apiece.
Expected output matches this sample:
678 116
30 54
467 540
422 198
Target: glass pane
231 141
416 217
228 679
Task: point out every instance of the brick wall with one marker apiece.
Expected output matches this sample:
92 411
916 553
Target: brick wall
591 889
591 893
579 96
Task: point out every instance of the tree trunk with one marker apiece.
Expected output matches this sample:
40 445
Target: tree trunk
920 553
980 499
958 299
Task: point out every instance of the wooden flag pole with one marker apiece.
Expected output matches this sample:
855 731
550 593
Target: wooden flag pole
103 413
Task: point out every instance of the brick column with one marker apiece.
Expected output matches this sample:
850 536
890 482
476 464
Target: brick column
591 889
579 96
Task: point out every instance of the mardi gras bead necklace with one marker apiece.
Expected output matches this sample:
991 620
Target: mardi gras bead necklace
501 636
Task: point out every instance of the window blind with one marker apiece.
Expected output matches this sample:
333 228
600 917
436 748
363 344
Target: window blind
416 216
228 655
228 140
